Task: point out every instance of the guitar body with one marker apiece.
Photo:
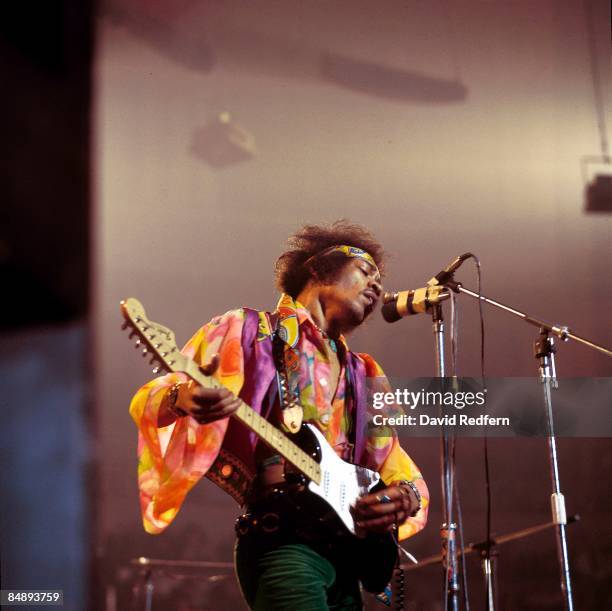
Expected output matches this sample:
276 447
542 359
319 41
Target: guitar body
373 556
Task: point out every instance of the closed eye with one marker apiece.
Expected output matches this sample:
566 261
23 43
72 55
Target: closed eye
370 274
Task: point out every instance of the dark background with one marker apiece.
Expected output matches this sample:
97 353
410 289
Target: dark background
443 126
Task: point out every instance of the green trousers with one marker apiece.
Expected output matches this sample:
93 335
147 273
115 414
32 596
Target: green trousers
294 577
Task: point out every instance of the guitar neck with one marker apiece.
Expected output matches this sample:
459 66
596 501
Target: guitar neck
272 436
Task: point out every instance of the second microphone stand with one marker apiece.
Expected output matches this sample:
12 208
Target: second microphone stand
449 528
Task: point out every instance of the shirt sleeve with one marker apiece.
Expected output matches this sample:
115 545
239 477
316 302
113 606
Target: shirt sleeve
385 455
172 459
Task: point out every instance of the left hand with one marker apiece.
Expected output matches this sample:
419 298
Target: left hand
380 511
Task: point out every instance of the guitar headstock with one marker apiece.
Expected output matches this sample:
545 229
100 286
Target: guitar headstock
153 338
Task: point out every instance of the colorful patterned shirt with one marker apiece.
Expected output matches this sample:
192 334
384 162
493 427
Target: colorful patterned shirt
172 459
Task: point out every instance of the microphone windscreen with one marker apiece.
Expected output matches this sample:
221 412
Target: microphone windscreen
389 311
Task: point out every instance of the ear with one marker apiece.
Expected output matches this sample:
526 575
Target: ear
313 275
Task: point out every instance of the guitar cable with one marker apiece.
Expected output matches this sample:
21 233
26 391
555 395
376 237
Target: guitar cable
395 592
399 579
454 338
487 550
466 598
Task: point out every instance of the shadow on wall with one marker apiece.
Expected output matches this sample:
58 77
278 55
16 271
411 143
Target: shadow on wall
229 48
388 82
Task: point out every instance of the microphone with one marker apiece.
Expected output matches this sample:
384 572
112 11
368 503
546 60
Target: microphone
406 303
447 273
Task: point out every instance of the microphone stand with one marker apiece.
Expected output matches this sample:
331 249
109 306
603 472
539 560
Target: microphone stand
149 566
477 548
544 350
448 528
562 332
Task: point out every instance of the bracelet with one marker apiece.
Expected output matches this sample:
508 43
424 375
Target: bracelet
171 398
414 489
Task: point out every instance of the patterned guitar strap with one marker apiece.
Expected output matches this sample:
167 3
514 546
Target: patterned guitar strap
287 362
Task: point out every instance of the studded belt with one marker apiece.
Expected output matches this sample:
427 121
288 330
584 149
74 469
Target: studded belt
263 524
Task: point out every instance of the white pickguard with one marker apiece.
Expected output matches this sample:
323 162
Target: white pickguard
341 483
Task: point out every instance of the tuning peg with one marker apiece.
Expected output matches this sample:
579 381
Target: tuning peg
156 370
137 343
124 326
144 352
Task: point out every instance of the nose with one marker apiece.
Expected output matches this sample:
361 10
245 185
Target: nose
376 285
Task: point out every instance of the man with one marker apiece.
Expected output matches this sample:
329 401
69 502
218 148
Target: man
291 365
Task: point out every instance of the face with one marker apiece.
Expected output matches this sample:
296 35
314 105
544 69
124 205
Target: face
353 295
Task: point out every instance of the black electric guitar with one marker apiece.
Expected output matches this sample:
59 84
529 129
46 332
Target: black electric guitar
334 484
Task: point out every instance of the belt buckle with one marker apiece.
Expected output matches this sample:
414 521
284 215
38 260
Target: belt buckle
269 522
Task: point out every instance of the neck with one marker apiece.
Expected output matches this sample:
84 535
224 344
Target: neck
310 299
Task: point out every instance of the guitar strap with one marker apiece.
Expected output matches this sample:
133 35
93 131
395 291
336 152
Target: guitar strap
287 363
265 326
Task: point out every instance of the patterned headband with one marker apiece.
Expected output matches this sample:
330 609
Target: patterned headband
348 251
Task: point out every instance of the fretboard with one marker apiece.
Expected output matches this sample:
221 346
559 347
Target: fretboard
273 437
